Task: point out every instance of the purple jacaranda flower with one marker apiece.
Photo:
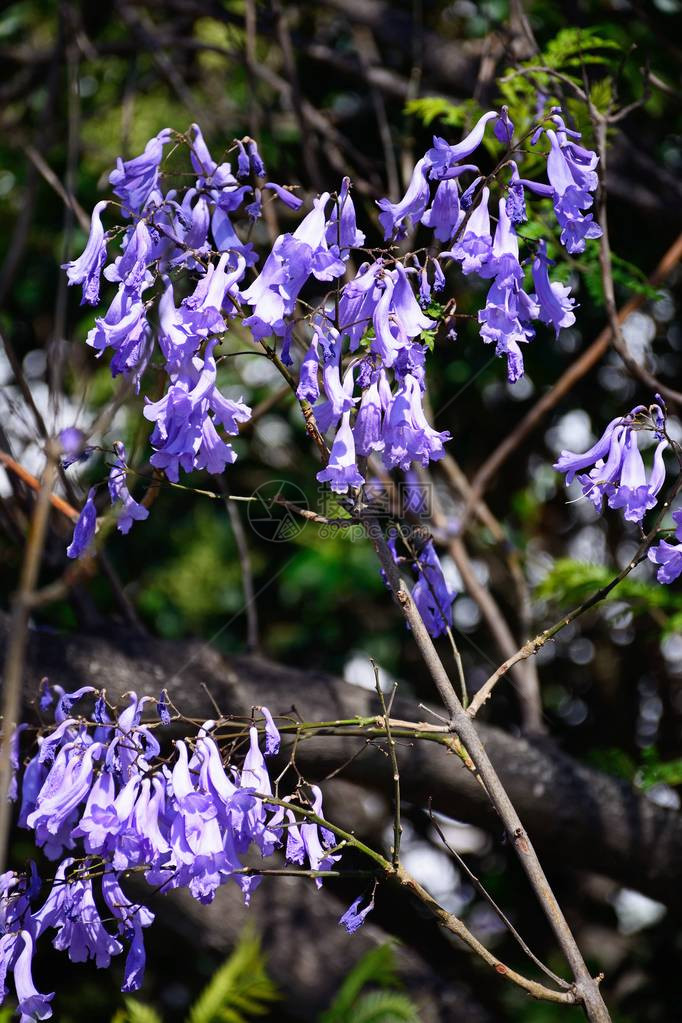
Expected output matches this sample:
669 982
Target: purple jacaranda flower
570 463
293 258
407 435
255 159
516 199
308 384
634 493
227 240
294 202
394 215
341 471
67 700
32 781
32 1004
243 162
184 436
215 296
255 826
504 127
64 789
397 317
210 174
367 429
254 209
317 839
72 441
618 471
475 247
342 230
444 215
572 177
442 157
554 299
87 268
431 593
71 910
668 557
14 742
131 917
505 322
131 510
134 180
130 268
272 737
162 708
84 530
354 917
124 328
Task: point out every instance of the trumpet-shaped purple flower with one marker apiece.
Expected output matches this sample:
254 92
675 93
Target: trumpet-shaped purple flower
342 228
131 510
87 268
341 471
294 257
571 183
135 180
504 127
407 435
636 494
354 917
124 328
32 1004
475 247
668 557
516 200
554 299
618 471
71 910
431 594
294 202
444 215
84 530
395 216
184 435
443 157
367 429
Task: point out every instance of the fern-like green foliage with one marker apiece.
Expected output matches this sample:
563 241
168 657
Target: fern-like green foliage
570 582
655 771
384 1007
378 968
239 990
136 1012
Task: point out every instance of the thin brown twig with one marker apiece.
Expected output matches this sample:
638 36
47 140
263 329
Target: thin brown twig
397 827
533 645
17 639
463 726
482 890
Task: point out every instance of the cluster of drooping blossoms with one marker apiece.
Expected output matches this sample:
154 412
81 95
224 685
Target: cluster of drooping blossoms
102 798
617 473
363 343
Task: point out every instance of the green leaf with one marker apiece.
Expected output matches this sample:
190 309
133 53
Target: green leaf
138 1012
570 582
656 772
376 967
384 1007
430 108
572 47
240 989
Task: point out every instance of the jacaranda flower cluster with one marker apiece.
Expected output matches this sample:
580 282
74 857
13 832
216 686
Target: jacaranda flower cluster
363 334
108 791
